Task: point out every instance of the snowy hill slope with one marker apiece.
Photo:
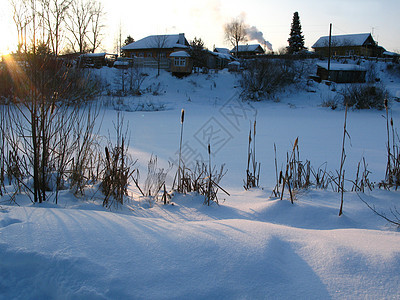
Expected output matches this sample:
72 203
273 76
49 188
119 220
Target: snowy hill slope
251 246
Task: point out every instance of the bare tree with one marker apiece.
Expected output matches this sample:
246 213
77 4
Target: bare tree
22 18
96 26
54 13
235 32
79 20
159 42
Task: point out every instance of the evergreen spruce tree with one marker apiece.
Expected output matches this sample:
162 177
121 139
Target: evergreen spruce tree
128 40
296 39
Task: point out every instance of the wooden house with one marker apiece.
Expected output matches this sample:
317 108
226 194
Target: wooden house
248 50
155 50
92 60
221 50
221 60
348 45
181 63
341 73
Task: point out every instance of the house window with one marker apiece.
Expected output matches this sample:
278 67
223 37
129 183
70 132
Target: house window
180 61
149 54
162 55
141 54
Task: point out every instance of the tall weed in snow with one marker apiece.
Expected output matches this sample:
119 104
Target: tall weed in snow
155 180
297 174
392 178
118 167
203 179
253 168
342 161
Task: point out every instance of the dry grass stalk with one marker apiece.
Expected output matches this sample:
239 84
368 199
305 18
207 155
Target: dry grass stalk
321 177
392 178
155 179
118 169
297 175
342 161
253 167
362 181
180 173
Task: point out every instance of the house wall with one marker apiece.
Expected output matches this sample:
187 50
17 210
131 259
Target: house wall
148 57
342 76
186 69
349 51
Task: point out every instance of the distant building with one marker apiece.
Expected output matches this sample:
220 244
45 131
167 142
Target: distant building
95 60
156 49
361 44
222 50
248 50
181 63
341 73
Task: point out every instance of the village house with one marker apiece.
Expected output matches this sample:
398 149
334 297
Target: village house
248 50
221 50
361 44
341 73
154 51
181 63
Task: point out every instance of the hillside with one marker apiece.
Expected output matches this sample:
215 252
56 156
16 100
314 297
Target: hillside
250 246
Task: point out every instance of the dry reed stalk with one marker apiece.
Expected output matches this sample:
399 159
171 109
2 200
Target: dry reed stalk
180 187
252 176
342 161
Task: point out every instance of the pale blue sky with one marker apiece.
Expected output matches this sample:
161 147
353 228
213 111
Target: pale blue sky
205 19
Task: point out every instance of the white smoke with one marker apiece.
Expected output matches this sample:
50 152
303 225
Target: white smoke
254 34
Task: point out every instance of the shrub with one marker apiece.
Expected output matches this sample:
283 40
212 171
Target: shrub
263 78
393 69
118 167
364 96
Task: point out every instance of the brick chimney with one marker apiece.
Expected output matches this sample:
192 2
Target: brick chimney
181 39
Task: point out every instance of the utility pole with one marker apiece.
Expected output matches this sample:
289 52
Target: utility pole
329 51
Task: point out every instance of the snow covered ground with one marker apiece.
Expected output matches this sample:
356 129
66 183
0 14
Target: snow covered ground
251 246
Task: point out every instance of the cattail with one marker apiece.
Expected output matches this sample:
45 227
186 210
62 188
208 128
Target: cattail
209 149
386 103
53 106
295 143
182 116
107 155
391 122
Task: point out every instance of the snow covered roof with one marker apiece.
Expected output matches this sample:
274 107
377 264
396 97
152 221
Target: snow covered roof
94 54
121 63
343 40
341 67
221 50
388 53
180 54
223 55
166 41
248 48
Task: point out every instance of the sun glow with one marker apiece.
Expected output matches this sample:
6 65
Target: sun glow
8 40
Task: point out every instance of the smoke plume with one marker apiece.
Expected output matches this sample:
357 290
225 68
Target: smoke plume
254 34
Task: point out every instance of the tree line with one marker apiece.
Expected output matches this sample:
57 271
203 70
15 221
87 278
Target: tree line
62 26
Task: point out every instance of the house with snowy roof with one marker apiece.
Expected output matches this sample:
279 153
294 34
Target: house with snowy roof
248 50
361 44
155 50
221 50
